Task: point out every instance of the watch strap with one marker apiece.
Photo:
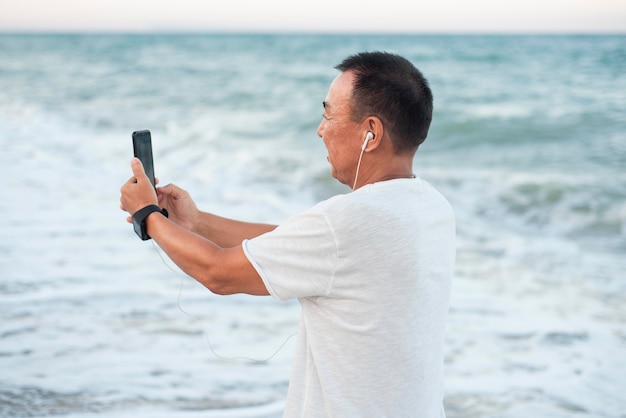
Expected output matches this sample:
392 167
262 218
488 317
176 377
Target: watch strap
139 219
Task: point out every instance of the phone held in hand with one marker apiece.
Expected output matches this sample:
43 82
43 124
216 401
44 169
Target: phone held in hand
142 147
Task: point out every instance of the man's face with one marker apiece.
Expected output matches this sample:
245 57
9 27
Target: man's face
340 134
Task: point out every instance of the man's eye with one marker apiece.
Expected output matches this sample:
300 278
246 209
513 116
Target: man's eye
325 117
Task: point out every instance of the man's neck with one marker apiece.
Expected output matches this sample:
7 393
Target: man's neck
395 168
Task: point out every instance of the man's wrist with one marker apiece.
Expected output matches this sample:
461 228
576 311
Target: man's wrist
140 217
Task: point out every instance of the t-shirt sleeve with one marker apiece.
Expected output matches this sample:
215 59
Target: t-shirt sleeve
297 259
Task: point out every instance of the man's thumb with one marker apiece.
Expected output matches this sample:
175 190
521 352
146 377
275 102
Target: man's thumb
137 167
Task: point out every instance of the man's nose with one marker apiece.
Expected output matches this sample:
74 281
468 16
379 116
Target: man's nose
320 128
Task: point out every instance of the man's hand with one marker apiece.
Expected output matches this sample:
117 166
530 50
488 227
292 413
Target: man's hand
137 192
181 208
221 270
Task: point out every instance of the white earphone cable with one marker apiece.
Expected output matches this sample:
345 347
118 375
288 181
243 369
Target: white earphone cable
358 166
367 139
206 336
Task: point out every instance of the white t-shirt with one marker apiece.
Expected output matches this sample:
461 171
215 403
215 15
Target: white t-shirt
372 271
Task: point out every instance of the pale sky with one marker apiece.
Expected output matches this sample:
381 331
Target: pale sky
320 16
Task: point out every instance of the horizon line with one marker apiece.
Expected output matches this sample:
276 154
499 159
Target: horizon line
313 33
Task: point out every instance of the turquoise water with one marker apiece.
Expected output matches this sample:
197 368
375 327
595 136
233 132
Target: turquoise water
528 143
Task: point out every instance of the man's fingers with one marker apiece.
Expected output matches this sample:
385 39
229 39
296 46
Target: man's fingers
171 190
138 171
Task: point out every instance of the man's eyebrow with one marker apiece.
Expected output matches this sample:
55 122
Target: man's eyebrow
325 104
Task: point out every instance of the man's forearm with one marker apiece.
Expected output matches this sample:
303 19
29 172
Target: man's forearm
228 232
221 270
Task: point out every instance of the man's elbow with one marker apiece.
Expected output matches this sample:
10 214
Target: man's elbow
233 274
222 289
216 284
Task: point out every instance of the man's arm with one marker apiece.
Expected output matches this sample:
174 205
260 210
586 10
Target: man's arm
223 270
223 231
228 232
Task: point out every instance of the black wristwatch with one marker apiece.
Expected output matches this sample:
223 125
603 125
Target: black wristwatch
139 220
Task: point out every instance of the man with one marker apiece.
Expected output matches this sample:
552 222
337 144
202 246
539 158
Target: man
371 269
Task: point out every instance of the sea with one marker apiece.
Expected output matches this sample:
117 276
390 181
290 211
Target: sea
528 143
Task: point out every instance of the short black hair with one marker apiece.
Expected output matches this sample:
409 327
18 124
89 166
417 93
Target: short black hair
393 89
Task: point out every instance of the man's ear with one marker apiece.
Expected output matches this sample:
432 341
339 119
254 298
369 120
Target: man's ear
375 132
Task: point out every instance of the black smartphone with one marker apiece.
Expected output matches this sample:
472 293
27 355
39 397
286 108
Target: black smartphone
142 147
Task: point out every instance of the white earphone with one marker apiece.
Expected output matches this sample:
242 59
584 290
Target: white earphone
368 137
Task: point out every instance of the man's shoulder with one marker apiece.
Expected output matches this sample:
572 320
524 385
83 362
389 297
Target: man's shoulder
403 195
